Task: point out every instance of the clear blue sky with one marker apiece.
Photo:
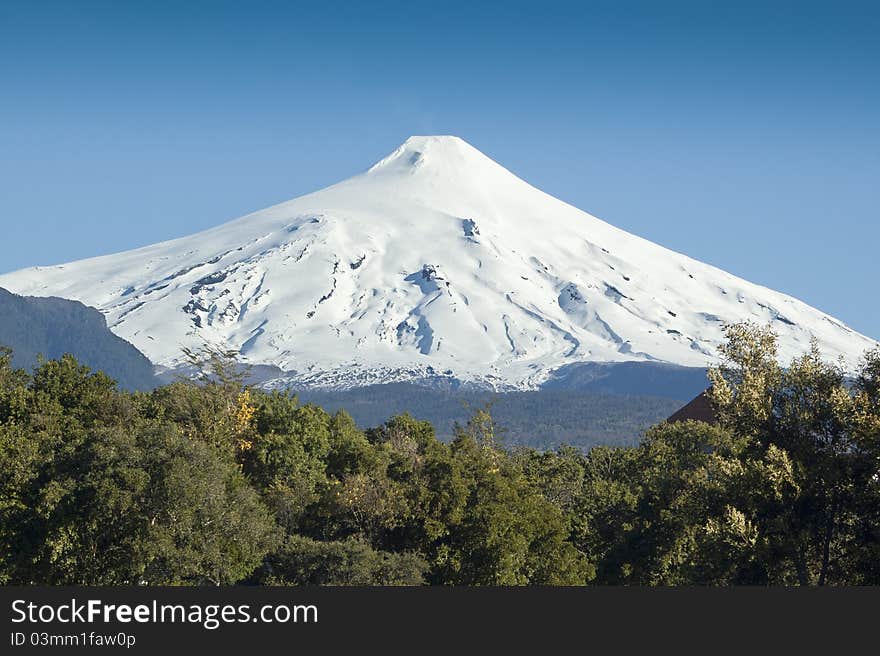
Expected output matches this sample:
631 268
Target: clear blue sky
744 134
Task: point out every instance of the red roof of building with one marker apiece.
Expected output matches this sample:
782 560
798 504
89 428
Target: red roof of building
700 409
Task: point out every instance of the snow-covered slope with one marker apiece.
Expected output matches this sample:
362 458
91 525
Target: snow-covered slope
436 261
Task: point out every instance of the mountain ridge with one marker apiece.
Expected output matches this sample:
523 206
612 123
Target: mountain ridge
51 327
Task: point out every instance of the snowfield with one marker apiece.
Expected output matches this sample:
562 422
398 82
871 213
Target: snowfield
437 261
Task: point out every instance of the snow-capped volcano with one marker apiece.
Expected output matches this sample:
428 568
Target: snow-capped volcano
435 261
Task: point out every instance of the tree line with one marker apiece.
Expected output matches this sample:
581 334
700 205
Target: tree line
213 482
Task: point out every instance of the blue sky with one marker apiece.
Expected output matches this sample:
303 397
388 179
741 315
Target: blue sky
745 135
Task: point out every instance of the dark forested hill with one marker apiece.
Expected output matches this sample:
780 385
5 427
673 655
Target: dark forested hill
540 419
54 326
637 378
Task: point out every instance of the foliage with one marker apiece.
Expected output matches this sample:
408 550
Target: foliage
784 490
304 561
211 482
93 493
